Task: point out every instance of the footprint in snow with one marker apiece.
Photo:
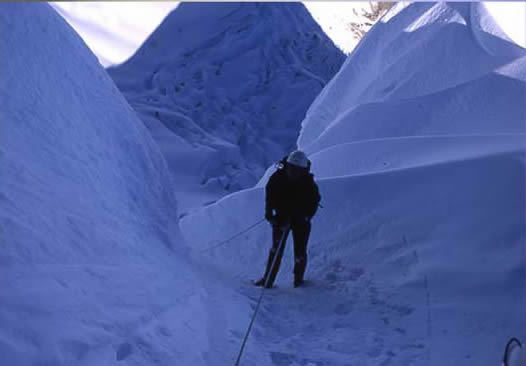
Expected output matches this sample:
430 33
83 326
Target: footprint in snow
123 351
344 308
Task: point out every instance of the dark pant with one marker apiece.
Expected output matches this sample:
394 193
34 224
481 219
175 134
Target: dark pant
300 234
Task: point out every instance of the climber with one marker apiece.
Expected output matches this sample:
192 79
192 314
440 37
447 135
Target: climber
292 198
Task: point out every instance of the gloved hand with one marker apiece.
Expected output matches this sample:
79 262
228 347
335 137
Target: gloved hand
271 218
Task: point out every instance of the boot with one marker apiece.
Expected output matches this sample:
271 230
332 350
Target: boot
298 282
261 283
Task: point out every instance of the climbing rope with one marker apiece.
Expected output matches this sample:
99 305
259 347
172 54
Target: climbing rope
233 237
282 242
238 234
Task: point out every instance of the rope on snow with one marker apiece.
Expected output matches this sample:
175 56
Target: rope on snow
233 237
282 242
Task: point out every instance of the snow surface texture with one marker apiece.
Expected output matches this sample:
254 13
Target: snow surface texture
226 86
92 268
417 257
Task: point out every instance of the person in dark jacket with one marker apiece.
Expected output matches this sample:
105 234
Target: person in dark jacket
292 198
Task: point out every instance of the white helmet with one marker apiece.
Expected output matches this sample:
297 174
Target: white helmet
298 158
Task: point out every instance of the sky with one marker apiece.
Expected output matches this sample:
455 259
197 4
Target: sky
510 16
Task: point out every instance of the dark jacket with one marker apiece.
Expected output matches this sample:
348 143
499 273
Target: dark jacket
291 200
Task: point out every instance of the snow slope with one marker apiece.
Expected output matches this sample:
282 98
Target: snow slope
417 257
93 269
227 85
422 93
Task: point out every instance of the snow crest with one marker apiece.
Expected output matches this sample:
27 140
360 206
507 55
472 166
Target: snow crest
227 84
424 71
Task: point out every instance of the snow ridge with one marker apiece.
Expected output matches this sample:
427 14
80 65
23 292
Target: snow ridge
431 57
229 84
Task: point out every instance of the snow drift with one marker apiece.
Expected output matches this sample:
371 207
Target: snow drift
226 86
418 254
440 73
92 260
